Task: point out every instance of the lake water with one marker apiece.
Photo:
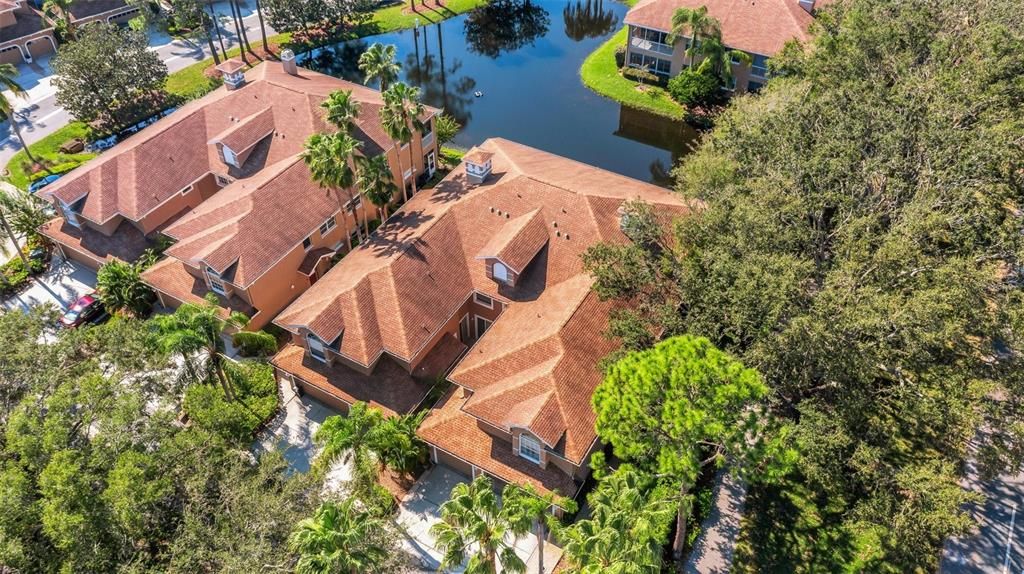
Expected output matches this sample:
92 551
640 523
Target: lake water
524 58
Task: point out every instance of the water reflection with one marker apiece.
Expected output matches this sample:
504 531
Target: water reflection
504 26
440 83
677 137
526 73
588 19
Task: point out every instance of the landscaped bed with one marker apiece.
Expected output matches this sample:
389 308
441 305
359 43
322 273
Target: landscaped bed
601 74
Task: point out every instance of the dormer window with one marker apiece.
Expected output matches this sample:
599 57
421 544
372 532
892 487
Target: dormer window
501 273
317 349
230 157
529 448
69 215
216 285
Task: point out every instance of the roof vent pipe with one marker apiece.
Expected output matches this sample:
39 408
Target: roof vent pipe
288 62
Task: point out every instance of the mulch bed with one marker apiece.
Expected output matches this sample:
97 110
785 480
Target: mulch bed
397 485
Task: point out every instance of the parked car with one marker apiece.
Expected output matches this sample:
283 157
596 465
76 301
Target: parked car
43 182
87 309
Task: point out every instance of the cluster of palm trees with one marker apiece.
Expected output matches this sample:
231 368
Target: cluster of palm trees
334 159
705 42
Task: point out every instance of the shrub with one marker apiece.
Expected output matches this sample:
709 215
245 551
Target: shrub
642 76
254 343
121 289
620 56
694 88
16 275
255 402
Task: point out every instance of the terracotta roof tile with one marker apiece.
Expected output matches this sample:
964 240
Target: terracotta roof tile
126 243
537 365
170 276
518 241
757 26
240 225
247 131
453 431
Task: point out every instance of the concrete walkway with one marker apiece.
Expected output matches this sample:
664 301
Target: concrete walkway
715 548
421 509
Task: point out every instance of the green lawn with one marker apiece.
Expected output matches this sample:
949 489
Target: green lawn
397 17
600 74
47 150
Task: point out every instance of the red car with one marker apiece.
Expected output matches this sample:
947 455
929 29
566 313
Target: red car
87 309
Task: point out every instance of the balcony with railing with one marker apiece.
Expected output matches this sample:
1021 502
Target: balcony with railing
648 45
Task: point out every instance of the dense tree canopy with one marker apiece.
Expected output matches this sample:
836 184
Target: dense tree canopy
109 74
861 247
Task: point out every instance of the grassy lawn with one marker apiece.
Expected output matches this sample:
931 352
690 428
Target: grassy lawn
47 150
600 74
398 18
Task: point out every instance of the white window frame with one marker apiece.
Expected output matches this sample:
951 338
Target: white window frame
314 342
216 283
229 155
465 327
490 301
534 446
307 243
504 276
69 215
476 325
353 204
222 180
328 225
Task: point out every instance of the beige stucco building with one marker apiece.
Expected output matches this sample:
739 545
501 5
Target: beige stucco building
758 28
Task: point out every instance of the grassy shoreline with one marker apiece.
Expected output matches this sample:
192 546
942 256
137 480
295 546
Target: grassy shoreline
600 73
192 82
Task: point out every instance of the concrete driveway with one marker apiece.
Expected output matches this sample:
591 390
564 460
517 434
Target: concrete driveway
292 432
61 286
421 509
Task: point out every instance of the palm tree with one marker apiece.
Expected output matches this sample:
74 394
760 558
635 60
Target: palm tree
263 26
401 119
378 63
342 111
626 530
59 11
120 286
326 156
216 26
695 22
339 538
719 58
472 522
8 193
377 183
195 333
7 82
528 505
349 439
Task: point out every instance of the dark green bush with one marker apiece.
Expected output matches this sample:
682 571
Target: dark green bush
255 402
16 276
694 88
254 343
642 76
620 56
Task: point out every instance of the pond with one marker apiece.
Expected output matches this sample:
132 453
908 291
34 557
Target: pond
523 58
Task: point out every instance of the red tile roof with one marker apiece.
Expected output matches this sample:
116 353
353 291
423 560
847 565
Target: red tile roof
247 131
757 26
453 431
238 231
152 166
518 241
390 388
169 276
126 243
537 365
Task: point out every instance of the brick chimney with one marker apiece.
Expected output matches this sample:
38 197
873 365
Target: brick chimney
288 62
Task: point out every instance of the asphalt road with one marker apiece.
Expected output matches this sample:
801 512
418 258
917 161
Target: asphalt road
40 115
997 547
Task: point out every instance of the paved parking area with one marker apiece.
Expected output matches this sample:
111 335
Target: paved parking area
61 286
421 509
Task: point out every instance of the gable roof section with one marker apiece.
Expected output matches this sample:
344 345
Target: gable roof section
239 228
147 169
757 26
247 132
393 293
518 241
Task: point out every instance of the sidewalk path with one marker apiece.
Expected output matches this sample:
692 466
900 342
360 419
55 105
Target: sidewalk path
716 546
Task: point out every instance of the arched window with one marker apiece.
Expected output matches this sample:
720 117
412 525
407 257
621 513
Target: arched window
500 272
316 348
